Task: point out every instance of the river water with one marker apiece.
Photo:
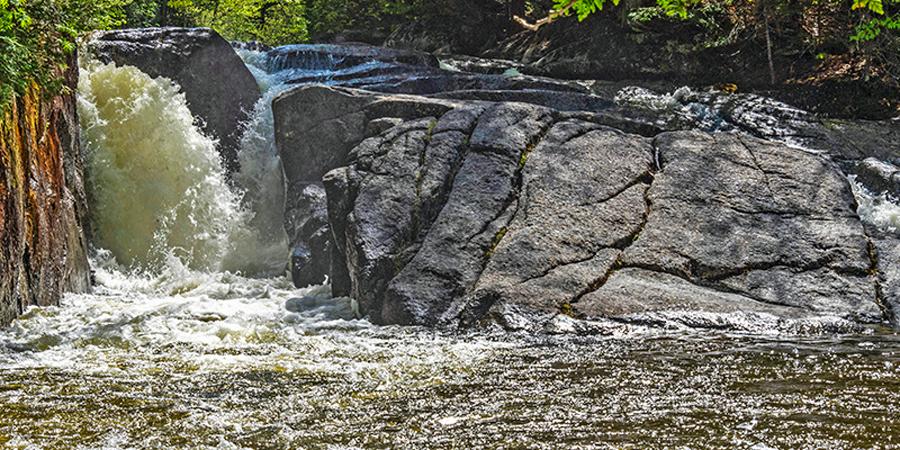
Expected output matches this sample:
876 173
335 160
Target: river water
186 341
191 360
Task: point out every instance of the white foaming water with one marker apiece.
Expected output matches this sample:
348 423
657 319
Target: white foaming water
157 186
879 210
261 173
186 324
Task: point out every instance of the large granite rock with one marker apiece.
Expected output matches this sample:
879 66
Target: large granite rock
887 250
42 201
466 212
219 88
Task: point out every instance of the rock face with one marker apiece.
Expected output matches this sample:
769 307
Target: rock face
42 202
219 88
467 212
843 140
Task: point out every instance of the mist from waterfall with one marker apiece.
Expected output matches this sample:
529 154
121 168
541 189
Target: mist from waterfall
158 189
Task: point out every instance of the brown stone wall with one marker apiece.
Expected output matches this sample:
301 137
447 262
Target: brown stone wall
43 248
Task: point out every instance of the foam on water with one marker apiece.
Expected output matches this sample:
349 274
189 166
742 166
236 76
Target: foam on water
201 321
879 210
155 182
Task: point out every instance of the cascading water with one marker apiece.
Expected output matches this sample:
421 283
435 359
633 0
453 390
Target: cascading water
261 174
158 189
879 210
156 184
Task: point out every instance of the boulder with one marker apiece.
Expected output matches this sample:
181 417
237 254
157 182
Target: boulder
887 250
878 176
219 89
773 225
461 212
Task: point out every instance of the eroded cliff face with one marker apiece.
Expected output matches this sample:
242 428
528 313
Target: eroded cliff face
43 248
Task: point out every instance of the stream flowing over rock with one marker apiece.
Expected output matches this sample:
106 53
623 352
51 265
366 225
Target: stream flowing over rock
219 88
524 201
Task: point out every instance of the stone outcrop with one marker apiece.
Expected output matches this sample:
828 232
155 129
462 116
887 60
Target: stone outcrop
42 202
463 212
219 88
843 140
878 176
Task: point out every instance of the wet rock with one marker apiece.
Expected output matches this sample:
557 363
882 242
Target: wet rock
843 140
219 88
472 64
480 210
878 176
443 82
306 224
301 304
560 100
43 208
332 58
887 252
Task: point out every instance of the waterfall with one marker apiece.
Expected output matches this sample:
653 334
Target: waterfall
261 174
157 187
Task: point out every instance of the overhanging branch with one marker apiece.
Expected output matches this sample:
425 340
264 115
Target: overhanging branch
546 20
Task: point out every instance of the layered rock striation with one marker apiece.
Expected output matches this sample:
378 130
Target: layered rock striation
42 201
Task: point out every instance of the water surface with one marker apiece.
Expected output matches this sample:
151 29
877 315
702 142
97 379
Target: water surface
198 360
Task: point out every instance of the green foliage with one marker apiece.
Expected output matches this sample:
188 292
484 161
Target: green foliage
886 18
872 28
328 16
584 8
266 21
36 36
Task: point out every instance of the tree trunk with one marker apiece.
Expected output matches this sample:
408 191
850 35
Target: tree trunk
769 50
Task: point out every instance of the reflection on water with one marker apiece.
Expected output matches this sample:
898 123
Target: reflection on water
188 359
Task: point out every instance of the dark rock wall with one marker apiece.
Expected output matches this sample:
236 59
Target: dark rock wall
456 212
43 248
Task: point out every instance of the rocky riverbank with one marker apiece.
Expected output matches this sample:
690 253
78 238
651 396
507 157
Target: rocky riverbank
43 208
456 212
437 196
